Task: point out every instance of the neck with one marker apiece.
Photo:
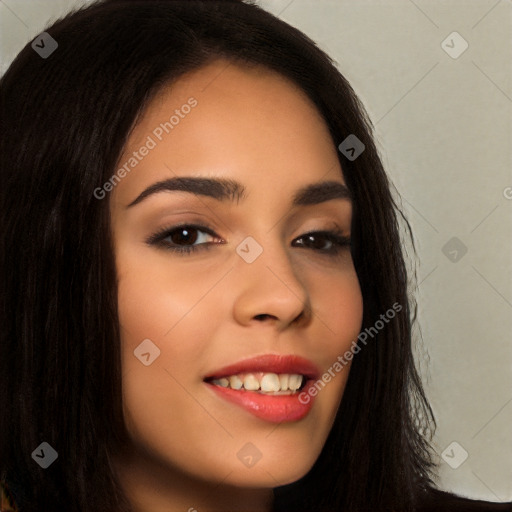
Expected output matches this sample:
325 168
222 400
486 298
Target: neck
152 487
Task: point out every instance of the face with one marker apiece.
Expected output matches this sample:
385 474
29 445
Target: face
243 281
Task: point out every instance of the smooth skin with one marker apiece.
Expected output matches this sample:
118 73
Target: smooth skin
210 308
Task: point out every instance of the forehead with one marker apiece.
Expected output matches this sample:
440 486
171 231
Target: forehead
242 122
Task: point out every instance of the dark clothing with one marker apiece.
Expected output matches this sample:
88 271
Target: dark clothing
439 501
435 501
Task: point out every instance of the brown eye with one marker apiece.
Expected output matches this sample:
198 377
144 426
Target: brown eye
317 242
182 236
328 242
185 238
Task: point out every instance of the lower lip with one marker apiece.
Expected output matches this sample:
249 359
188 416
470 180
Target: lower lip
272 408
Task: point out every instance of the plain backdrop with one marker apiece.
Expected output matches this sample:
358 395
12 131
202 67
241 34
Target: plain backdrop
442 114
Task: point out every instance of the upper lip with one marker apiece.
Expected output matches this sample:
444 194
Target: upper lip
269 363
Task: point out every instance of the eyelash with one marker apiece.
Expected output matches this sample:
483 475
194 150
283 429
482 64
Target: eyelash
337 238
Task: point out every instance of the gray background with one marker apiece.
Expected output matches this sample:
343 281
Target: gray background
443 126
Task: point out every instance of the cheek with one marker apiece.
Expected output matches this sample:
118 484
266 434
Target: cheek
338 313
154 296
159 314
343 306
338 305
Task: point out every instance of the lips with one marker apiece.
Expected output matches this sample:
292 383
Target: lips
274 382
269 363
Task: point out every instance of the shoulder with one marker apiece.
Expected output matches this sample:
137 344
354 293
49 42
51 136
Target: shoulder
435 500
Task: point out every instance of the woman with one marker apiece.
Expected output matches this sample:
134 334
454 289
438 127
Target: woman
204 301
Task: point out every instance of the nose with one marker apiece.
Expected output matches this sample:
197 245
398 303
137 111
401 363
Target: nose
269 290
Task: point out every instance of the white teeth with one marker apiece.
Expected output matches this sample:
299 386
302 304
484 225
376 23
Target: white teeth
221 382
270 382
295 382
251 383
284 383
235 382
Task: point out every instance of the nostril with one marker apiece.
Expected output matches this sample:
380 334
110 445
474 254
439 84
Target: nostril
263 316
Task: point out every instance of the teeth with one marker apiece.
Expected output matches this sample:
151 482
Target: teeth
222 382
270 382
295 382
283 380
251 383
235 382
263 382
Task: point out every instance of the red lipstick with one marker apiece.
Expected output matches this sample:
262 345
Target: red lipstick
270 407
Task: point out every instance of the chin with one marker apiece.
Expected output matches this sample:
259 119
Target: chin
270 474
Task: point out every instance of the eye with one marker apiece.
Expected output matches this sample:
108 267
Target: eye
185 238
328 242
188 238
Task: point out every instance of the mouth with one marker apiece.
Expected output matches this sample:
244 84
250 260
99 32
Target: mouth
270 386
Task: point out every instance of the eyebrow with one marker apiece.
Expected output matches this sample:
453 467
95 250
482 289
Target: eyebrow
223 189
